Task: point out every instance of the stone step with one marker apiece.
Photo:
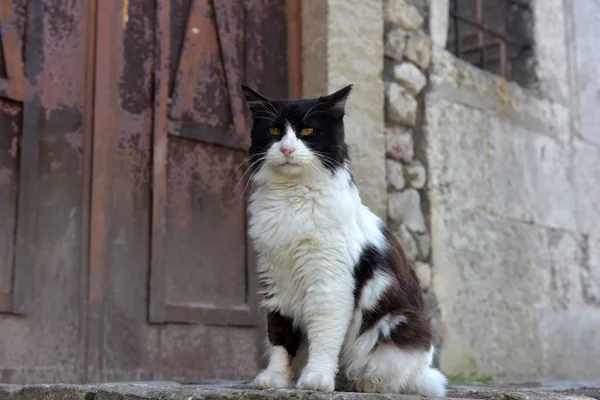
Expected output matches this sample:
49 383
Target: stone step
227 390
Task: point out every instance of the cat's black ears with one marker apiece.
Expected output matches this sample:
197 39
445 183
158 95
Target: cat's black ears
337 101
252 95
254 99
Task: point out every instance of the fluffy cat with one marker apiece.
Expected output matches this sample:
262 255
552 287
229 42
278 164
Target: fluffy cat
333 277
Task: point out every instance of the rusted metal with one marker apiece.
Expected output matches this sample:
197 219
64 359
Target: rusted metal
2 62
104 144
232 316
504 64
99 169
86 172
11 117
25 246
157 306
480 34
457 36
231 33
10 126
209 45
45 131
5 302
13 86
294 34
189 61
132 349
484 28
207 134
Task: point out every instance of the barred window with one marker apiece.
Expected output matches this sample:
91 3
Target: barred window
494 35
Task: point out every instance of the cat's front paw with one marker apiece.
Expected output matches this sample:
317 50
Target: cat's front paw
316 381
272 380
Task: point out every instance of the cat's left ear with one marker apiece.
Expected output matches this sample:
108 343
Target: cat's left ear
254 99
337 101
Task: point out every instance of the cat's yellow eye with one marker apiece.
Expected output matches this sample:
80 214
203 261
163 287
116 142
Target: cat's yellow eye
306 131
274 131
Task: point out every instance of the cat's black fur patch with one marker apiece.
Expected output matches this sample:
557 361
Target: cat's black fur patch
364 270
404 297
323 114
281 332
370 260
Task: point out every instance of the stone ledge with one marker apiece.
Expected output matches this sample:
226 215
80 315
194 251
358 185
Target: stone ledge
243 391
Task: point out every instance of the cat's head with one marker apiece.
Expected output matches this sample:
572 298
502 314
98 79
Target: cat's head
297 138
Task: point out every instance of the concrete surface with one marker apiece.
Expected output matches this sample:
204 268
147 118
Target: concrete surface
241 391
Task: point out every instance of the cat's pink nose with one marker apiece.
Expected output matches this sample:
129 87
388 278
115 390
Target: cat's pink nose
287 150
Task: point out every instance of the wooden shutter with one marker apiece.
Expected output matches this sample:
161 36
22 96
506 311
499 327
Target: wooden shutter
202 265
20 113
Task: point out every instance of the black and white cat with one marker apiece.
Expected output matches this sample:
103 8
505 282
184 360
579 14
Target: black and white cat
334 278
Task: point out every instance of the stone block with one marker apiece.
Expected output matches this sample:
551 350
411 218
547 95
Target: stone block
459 82
511 169
455 144
551 48
418 49
587 58
590 270
405 207
531 176
407 242
395 44
438 22
424 245
399 144
434 316
402 14
423 271
347 22
401 106
549 171
222 389
416 174
569 271
586 175
411 77
395 174
570 341
490 274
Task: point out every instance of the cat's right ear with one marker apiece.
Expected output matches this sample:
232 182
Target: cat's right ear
254 99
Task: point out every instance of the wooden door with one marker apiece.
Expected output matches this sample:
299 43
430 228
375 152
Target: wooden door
123 253
43 200
175 280
201 264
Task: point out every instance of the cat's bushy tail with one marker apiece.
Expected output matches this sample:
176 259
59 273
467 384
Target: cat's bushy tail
432 383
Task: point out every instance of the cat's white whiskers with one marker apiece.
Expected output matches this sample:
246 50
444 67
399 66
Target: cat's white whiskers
243 175
249 181
245 160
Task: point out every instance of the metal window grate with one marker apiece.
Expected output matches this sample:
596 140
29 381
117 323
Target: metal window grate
494 35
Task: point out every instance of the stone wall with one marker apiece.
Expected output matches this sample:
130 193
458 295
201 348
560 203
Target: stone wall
342 44
407 49
493 189
514 200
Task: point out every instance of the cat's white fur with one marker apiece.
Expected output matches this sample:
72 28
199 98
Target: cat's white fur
309 228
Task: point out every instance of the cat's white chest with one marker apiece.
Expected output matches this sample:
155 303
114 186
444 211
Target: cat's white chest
303 237
297 216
